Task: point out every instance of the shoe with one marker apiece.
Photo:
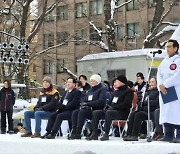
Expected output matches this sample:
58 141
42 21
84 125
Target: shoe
76 135
3 132
44 136
36 135
10 132
93 136
26 134
126 137
158 136
105 137
142 136
51 136
132 138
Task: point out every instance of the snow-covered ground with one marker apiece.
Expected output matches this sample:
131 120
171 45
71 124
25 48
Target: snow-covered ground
14 144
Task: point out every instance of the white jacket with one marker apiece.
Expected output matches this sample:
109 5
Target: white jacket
170 112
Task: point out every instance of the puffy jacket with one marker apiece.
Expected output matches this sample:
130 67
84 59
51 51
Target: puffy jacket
48 100
96 97
7 99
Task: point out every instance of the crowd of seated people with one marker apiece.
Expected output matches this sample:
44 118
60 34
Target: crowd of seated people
96 101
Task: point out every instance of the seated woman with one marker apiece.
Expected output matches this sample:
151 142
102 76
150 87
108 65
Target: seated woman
94 99
136 118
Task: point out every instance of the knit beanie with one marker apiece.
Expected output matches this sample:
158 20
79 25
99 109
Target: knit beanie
96 77
48 79
122 78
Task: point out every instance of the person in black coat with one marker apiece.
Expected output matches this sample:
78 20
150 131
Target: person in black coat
47 103
70 101
136 118
121 103
85 85
95 99
7 100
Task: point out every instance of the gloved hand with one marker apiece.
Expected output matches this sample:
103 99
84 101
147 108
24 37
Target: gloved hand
61 107
38 109
83 104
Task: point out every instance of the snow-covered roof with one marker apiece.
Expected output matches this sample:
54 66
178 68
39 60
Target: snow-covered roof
130 53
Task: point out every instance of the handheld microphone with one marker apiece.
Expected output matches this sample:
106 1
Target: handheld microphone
158 52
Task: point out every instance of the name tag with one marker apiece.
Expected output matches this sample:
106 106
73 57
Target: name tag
115 99
43 99
90 97
65 102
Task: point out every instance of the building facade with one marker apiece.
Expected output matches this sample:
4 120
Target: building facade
67 35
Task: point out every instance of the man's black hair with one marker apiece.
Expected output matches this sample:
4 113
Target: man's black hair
83 76
175 44
74 80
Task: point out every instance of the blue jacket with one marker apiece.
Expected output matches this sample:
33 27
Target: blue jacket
73 99
96 97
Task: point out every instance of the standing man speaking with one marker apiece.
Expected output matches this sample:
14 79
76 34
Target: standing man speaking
168 78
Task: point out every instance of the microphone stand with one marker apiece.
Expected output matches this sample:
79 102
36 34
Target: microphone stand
149 137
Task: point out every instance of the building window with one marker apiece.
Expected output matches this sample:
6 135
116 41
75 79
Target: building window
151 3
80 36
62 38
112 74
96 7
119 32
94 36
132 30
81 10
118 3
49 17
177 2
153 72
62 12
132 5
48 40
48 66
60 64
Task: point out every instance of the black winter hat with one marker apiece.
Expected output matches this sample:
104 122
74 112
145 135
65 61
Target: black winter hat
122 78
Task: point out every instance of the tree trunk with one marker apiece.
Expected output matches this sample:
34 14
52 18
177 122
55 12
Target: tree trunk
109 27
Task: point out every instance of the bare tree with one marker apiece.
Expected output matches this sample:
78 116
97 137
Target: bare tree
159 16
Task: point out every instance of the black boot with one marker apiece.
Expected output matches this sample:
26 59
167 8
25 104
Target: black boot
77 134
73 132
131 138
93 136
105 137
45 135
52 135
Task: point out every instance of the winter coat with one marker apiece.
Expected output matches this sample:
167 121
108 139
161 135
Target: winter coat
122 100
48 100
70 100
169 112
86 87
140 89
7 99
153 100
96 97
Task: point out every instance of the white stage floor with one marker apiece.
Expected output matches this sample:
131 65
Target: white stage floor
14 144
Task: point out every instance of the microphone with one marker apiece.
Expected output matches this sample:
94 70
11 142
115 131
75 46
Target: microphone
158 52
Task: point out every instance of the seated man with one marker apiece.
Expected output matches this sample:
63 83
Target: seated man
94 99
69 102
121 103
47 103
